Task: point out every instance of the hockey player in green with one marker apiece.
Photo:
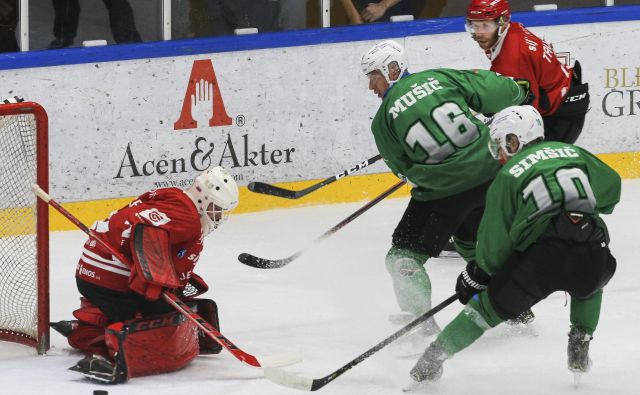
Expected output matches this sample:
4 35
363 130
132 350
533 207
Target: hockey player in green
541 232
426 131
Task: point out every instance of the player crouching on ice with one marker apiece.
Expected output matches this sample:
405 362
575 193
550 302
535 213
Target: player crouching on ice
123 325
541 232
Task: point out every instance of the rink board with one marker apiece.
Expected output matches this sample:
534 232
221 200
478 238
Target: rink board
350 189
285 107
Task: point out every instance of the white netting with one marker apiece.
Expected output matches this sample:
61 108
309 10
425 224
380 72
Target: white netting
18 248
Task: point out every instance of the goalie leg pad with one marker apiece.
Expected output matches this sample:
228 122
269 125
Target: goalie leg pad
88 335
152 345
88 313
89 339
208 310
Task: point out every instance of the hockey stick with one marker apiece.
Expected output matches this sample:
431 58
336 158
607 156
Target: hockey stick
268 189
262 263
173 300
287 379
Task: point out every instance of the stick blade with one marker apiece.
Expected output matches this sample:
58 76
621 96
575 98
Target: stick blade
268 189
284 378
261 263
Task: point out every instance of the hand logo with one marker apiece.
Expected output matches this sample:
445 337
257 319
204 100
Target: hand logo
202 103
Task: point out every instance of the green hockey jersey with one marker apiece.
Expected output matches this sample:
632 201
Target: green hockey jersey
426 131
534 186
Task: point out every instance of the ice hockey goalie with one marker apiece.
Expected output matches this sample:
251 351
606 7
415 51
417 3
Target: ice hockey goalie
123 326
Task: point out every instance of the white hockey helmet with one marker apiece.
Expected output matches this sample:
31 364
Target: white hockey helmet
380 57
215 194
523 123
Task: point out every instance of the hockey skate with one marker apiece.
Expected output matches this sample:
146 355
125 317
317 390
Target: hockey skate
428 369
578 353
525 318
414 342
98 368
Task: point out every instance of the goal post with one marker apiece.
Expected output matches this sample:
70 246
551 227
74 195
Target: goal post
24 225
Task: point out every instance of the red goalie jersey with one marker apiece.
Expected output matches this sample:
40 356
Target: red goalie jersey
521 54
169 209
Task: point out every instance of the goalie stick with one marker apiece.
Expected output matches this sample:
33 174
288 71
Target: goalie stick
282 377
263 263
174 301
268 189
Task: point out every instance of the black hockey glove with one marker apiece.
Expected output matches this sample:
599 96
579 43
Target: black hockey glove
471 281
526 87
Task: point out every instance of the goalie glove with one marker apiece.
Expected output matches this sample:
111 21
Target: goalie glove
471 281
195 287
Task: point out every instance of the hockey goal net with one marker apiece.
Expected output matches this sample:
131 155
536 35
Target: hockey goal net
24 226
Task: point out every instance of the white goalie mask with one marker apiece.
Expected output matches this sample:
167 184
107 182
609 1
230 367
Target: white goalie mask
380 57
523 123
215 194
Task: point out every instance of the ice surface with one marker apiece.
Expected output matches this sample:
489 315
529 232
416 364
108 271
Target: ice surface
333 303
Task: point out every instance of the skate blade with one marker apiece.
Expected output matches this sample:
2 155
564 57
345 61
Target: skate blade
577 379
449 255
416 387
579 373
91 376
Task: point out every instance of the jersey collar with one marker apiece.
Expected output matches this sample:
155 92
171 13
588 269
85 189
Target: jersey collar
406 73
493 52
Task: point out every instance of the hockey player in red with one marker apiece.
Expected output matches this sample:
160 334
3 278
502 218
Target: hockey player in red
123 325
514 51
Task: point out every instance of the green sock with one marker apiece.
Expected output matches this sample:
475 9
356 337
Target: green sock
410 280
585 314
475 318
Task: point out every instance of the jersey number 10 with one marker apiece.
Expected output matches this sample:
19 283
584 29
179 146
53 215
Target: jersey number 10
577 192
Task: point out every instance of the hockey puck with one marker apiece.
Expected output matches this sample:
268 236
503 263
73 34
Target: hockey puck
100 392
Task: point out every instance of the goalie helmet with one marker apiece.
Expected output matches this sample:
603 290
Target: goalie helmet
523 123
215 194
485 10
380 57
